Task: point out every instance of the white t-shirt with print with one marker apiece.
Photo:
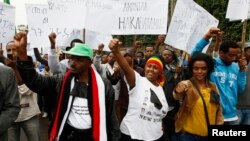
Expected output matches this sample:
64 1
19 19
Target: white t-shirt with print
79 116
143 120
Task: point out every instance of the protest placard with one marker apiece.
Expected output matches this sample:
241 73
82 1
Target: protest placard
40 27
238 10
99 16
93 39
68 13
188 24
7 23
140 17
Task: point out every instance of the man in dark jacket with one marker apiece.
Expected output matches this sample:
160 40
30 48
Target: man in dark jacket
85 101
9 100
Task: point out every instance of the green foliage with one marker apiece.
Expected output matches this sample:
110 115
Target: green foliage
128 40
218 8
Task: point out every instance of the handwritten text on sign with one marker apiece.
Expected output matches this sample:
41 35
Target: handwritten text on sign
140 17
40 28
7 23
189 22
38 21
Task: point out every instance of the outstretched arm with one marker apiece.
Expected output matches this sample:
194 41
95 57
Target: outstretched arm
205 40
20 40
55 66
35 82
39 58
97 59
217 44
159 41
114 46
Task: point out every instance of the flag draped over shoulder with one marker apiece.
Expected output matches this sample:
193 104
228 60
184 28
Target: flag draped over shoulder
99 132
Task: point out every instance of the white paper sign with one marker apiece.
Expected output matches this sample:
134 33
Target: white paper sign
237 9
40 28
93 39
99 16
7 23
188 25
38 25
66 35
63 38
68 13
140 17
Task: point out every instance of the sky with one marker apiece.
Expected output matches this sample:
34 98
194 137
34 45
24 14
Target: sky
20 9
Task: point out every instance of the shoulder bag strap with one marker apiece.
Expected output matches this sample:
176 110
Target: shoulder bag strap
205 107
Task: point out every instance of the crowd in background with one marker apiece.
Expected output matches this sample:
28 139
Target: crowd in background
159 93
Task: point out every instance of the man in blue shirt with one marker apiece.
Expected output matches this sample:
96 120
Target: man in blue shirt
229 77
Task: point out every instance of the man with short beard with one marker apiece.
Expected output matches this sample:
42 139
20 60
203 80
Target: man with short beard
85 101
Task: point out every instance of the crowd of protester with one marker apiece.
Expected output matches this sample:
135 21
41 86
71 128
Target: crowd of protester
158 93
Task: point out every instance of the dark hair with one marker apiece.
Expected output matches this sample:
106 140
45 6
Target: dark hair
228 44
198 56
127 54
68 48
173 52
140 53
245 49
9 43
149 45
105 53
75 41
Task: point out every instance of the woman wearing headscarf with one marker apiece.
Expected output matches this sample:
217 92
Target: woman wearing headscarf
147 103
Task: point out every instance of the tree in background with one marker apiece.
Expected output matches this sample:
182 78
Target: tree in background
218 9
